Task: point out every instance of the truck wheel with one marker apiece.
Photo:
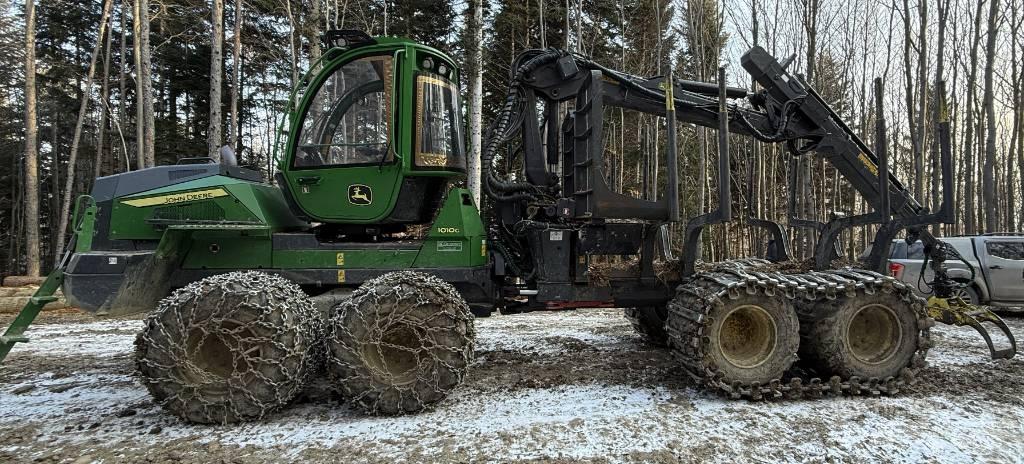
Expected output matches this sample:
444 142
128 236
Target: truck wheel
868 336
649 322
401 342
230 347
968 294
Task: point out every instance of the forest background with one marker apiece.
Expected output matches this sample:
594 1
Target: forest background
96 87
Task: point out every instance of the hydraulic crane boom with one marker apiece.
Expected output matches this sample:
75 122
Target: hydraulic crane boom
562 189
788 111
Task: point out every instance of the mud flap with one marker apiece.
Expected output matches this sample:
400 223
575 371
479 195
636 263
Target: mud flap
148 281
955 311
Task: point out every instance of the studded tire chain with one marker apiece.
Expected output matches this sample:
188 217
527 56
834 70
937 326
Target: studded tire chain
648 321
812 294
230 347
401 342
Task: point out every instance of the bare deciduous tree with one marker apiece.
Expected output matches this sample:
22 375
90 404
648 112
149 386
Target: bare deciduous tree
476 82
83 107
236 77
214 136
989 181
31 184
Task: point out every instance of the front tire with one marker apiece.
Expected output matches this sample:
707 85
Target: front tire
400 343
229 348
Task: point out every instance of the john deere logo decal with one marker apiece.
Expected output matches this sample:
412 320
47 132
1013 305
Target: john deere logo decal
359 194
177 198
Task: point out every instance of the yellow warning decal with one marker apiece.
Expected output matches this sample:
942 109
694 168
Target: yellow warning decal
868 163
176 198
341 259
341 276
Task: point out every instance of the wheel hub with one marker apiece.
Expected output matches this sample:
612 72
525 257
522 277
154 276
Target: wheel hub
746 337
874 334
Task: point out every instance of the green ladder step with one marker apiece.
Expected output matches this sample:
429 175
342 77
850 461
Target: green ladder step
12 339
43 300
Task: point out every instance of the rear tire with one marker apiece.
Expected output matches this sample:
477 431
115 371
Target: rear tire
649 322
400 343
229 348
867 336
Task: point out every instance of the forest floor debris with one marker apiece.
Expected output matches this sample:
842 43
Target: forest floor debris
548 386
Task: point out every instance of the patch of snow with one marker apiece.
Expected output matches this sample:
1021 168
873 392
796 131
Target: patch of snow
545 333
570 422
100 339
573 422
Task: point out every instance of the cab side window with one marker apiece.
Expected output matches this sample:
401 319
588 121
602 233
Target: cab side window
1006 250
439 124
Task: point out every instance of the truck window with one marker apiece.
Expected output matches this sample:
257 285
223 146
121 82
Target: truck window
1006 250
899 250
916 250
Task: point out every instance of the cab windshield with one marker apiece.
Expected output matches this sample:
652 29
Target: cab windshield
439 141
349 119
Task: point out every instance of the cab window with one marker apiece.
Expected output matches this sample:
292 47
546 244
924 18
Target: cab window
349 119
438 141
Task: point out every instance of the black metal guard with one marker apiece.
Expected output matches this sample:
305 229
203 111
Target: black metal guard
780 240
723 213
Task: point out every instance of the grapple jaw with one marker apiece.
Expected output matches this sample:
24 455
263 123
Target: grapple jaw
956 311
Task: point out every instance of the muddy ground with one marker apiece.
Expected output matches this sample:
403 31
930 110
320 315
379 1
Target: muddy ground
564 387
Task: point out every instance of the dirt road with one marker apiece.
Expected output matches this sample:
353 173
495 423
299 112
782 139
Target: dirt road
561 387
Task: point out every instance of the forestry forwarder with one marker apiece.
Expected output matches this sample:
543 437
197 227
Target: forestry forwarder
365 225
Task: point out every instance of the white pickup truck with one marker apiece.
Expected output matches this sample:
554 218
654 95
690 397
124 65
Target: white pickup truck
998 262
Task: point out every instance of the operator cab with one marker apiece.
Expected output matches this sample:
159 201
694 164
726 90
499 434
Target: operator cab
375 133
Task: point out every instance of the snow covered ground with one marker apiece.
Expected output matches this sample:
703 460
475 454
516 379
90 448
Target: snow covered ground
564 387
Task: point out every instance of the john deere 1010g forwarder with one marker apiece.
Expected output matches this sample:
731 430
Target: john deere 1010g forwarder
365 223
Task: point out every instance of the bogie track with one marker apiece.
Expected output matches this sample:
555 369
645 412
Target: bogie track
860 333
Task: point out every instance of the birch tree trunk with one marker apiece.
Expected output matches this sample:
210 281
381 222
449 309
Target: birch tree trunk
146 83
31 183
236 79
83 106
140 105
292 47
476 83
214 136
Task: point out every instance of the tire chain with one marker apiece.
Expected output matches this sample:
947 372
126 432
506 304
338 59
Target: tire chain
729 279
266 313
642 325
366 384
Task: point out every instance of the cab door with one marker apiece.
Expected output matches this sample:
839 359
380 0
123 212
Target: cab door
342 164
